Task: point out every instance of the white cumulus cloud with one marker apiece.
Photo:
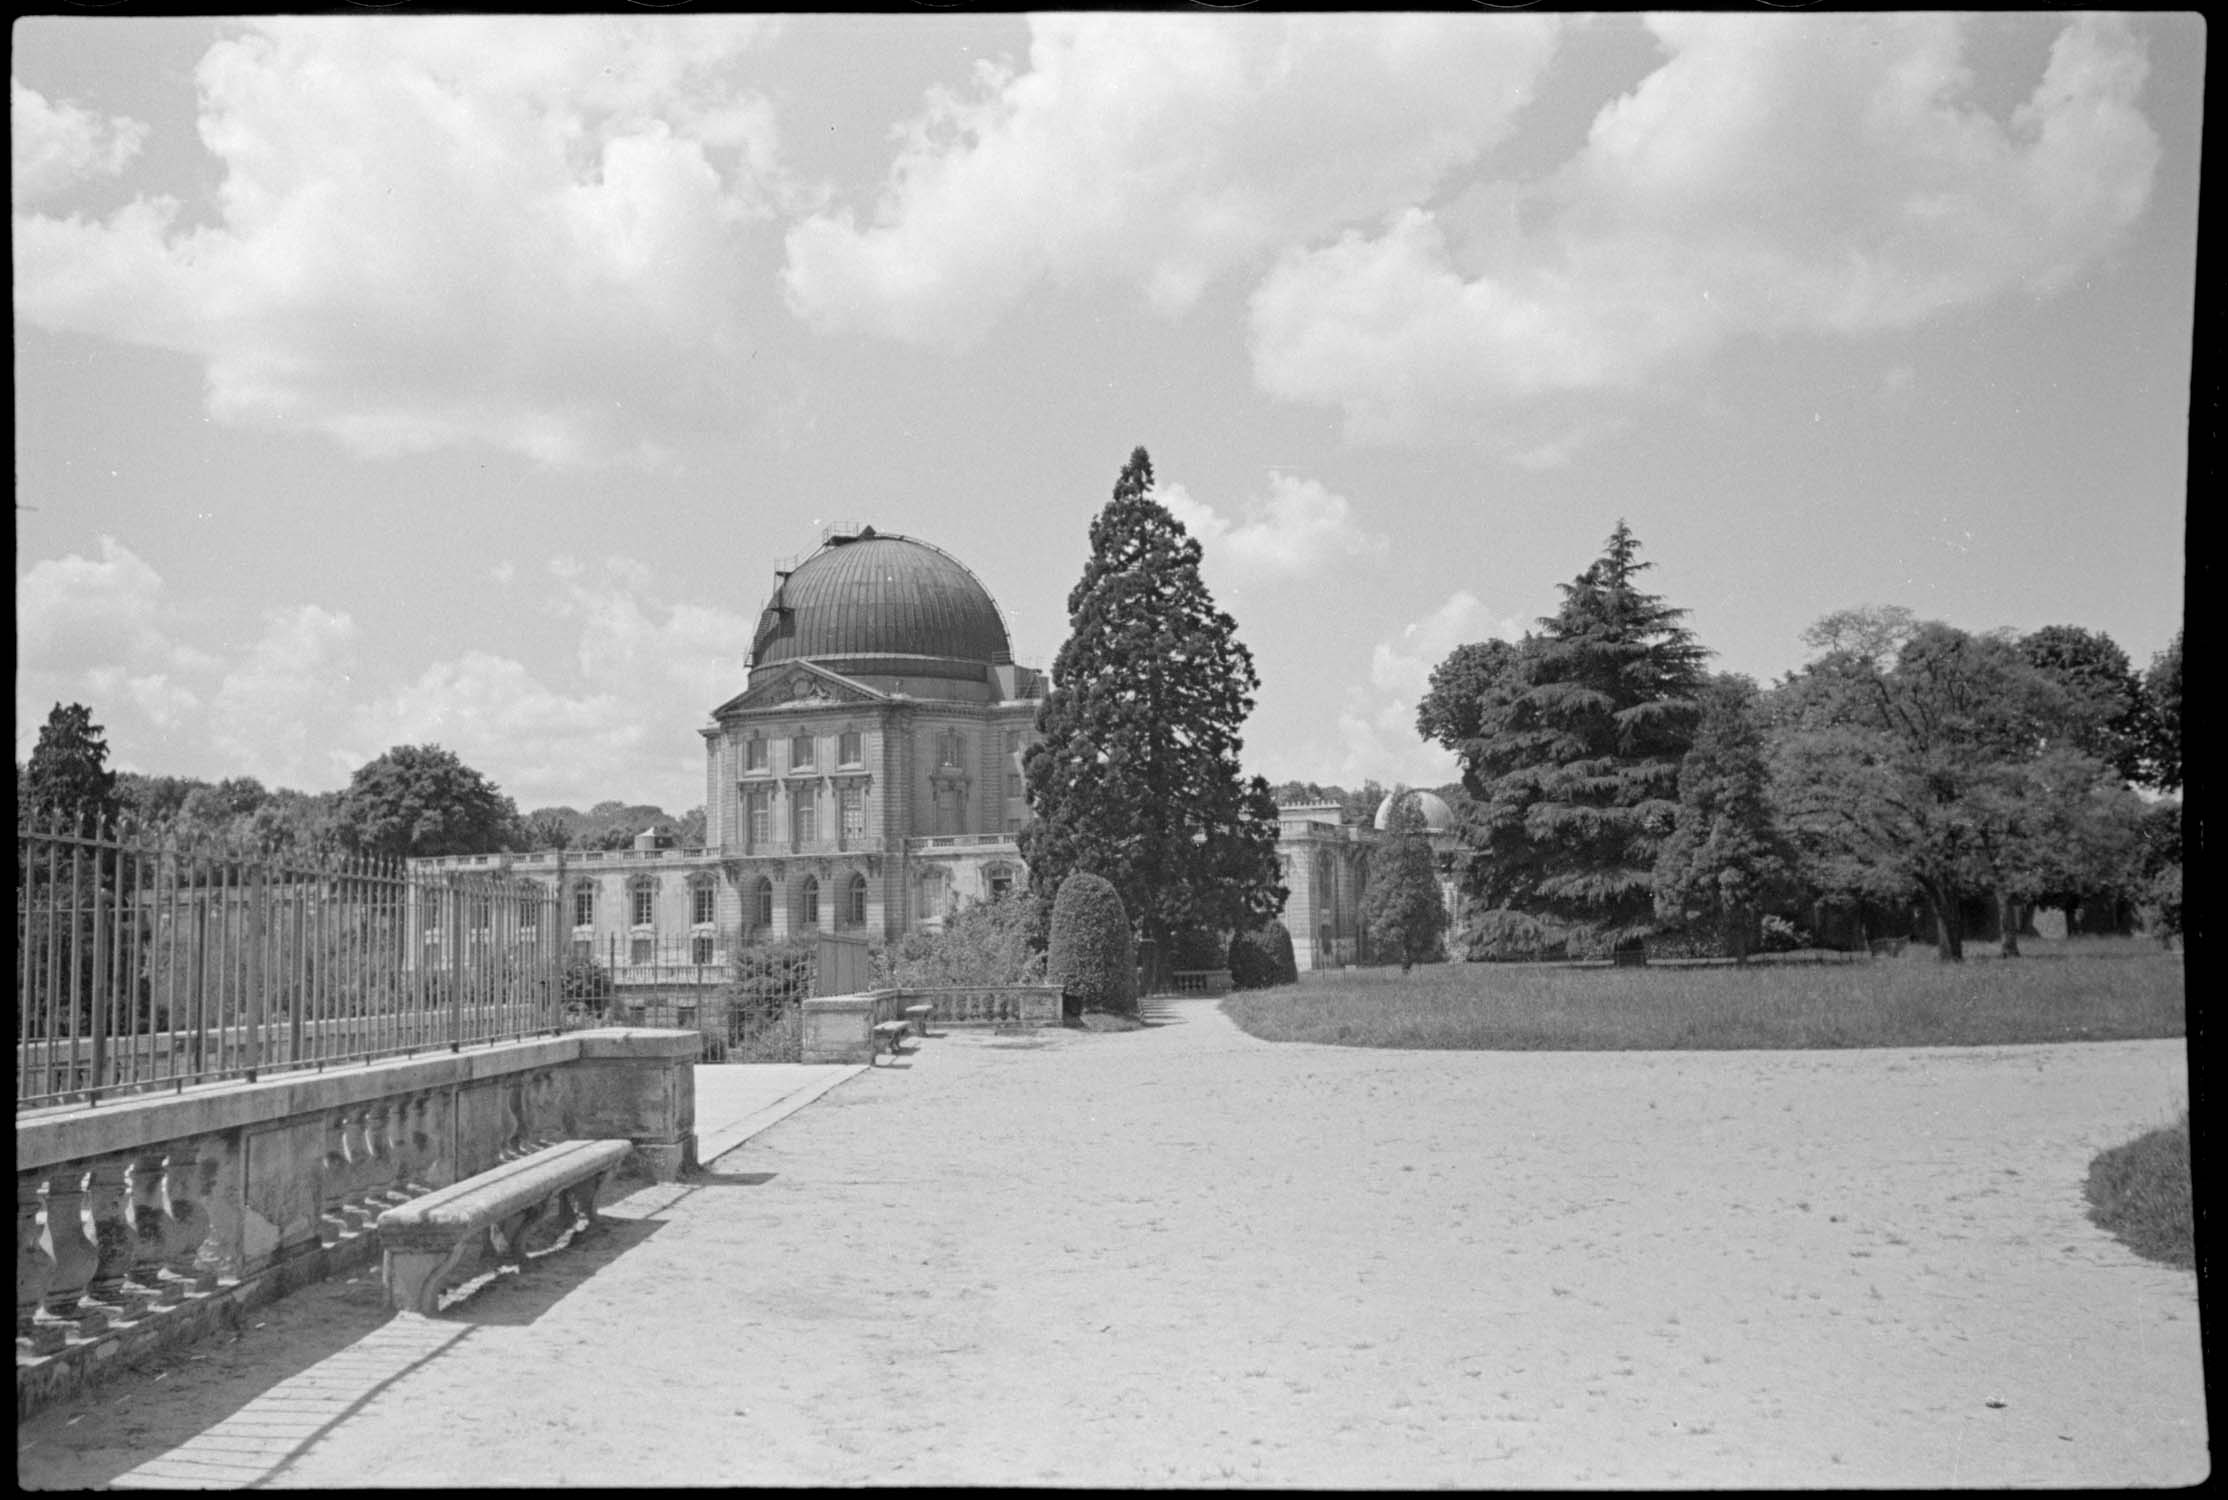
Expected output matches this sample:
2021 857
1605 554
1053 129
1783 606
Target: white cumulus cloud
53 146
275 708
1297 530
444 230
1777 174
1161 151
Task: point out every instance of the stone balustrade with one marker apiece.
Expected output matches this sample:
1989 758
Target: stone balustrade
840 1028
145 1222
1199 982
991 1005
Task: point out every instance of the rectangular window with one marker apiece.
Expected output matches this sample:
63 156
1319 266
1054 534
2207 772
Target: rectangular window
584 906
754 755
1013 783
854 811
949 748
700 905
800 753
643 897
639 952
761 820
808 820
702 951
848 749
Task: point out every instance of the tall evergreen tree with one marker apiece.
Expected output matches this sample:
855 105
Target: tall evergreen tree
1726 854
69 776
1136 776
1403 911
1574 766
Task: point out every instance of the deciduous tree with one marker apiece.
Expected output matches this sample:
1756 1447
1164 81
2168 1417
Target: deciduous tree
421 800
1136 775
2162 685
2110 720
1919 755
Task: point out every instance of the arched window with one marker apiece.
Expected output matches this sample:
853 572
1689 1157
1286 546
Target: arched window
808 902
642 901
762 904
584 903
854 902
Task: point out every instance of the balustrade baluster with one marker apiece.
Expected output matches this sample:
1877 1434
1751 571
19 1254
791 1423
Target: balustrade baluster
219 1190
115 1247
72 1251
364 1183
187 1185
388 1150
150 1226
332 1185
34 1273
424 1158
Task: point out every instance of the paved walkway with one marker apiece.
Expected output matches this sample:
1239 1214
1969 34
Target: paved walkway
1182 1257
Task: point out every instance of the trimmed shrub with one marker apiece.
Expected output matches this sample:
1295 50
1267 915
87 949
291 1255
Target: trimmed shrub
1263 957
1092 955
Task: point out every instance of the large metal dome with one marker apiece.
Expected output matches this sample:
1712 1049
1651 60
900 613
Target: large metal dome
871 604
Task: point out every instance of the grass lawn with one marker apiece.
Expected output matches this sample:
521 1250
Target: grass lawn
2082 990
2139 1192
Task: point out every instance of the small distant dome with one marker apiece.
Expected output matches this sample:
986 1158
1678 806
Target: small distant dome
1437 816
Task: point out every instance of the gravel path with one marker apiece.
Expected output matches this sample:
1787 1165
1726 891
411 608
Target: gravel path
1183 1257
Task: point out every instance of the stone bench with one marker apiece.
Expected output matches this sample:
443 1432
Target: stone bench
889 1034
918 1015
427 1243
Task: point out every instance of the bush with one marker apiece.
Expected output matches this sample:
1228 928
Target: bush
587 986
1778 935
988 942
1092 956
1263 957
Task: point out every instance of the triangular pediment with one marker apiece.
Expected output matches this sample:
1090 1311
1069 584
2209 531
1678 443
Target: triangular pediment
800 684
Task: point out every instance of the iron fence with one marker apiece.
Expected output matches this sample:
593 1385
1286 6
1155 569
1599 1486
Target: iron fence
145 963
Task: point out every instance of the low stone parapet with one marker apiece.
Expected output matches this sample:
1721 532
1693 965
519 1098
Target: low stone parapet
146 1221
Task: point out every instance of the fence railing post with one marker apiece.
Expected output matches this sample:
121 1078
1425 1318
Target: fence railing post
452 932
98 1000
259 896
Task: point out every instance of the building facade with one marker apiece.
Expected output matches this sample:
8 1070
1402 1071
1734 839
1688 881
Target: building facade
865 781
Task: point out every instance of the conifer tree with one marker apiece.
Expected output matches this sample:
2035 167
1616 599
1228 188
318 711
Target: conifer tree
69 776
1574 766
1136 775
1726 854
1403 911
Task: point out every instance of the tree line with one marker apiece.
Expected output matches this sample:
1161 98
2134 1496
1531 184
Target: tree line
1616 789
413 801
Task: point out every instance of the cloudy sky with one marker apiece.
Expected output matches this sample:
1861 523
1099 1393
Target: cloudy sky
388 379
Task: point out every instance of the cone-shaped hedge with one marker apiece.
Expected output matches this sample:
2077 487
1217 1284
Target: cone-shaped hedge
1092 956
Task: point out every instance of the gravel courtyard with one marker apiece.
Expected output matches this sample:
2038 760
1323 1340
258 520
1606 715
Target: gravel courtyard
1184 1257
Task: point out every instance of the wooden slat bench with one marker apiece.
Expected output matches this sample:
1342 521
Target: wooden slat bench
888 1034
428 1243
